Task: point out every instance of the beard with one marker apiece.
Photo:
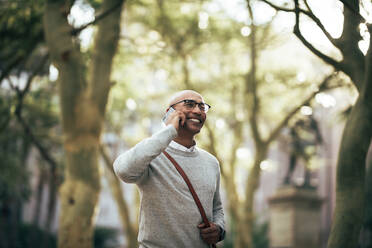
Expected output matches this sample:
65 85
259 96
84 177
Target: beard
192 127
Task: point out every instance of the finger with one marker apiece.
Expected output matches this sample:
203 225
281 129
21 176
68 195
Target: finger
172 117
210 239
209 230
201 225
210 235
182 118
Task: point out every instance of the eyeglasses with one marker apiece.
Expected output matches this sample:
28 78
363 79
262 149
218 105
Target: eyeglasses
190 104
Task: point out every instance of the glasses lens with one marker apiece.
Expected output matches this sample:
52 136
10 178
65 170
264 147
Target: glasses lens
203 107
190 104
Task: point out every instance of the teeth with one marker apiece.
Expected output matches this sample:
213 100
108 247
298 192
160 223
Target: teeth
195 120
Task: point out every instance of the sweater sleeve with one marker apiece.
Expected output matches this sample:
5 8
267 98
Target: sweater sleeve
132 166
218 215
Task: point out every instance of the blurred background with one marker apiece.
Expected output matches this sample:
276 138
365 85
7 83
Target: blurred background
84 80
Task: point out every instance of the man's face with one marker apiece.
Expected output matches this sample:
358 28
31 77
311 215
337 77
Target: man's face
195 117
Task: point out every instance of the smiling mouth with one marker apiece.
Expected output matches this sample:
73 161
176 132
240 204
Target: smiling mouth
195 120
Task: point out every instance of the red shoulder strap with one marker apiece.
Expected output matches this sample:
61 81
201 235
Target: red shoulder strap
191 188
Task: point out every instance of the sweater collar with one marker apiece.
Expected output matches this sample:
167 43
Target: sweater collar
180 147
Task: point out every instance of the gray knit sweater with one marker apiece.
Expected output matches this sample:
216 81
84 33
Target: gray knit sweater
168 213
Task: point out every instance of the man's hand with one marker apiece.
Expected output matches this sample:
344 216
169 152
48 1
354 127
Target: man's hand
177 119
211 234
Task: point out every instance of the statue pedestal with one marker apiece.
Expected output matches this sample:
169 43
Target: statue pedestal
295 218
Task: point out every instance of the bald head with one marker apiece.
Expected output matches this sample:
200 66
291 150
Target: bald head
185 94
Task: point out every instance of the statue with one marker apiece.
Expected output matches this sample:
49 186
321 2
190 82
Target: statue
304 137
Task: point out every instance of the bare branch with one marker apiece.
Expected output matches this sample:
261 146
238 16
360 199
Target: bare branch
277 7
185 72
22 93
322 86
5 72
311 15
343 44
13 86
337 65
107 39
97 18
43 151
106 158
212 148
251 94
121 202
297 32
18 112
24 56
44 59
237 128
347 5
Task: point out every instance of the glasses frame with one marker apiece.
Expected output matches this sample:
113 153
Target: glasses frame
196 103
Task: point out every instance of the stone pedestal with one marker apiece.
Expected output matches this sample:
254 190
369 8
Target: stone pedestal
295 218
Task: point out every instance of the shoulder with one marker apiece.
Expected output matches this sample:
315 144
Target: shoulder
208 156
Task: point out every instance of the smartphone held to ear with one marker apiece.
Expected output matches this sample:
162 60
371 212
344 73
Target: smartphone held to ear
166 116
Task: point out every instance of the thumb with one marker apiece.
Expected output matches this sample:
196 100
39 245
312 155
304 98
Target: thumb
201 225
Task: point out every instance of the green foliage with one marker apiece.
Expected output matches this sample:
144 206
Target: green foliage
13 147
96 4
33 236
105 237
39 113
21 31
160 42
259 236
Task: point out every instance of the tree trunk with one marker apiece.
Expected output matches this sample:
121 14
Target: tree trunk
39 196
186 72
83 99
351 166
353 57
253 182
253 108
52 197
53 186
79 197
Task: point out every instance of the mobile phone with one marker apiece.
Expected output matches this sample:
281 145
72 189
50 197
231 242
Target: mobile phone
166 115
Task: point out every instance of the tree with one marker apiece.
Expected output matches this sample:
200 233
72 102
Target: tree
184 37
14 179
251 97
29 123
23 58
356 139
83 97
22 33
367 223
171 27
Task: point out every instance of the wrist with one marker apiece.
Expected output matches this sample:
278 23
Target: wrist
222 233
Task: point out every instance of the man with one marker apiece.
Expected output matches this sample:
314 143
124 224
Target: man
169 216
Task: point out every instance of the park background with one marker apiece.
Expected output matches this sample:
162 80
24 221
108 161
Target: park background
82 81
